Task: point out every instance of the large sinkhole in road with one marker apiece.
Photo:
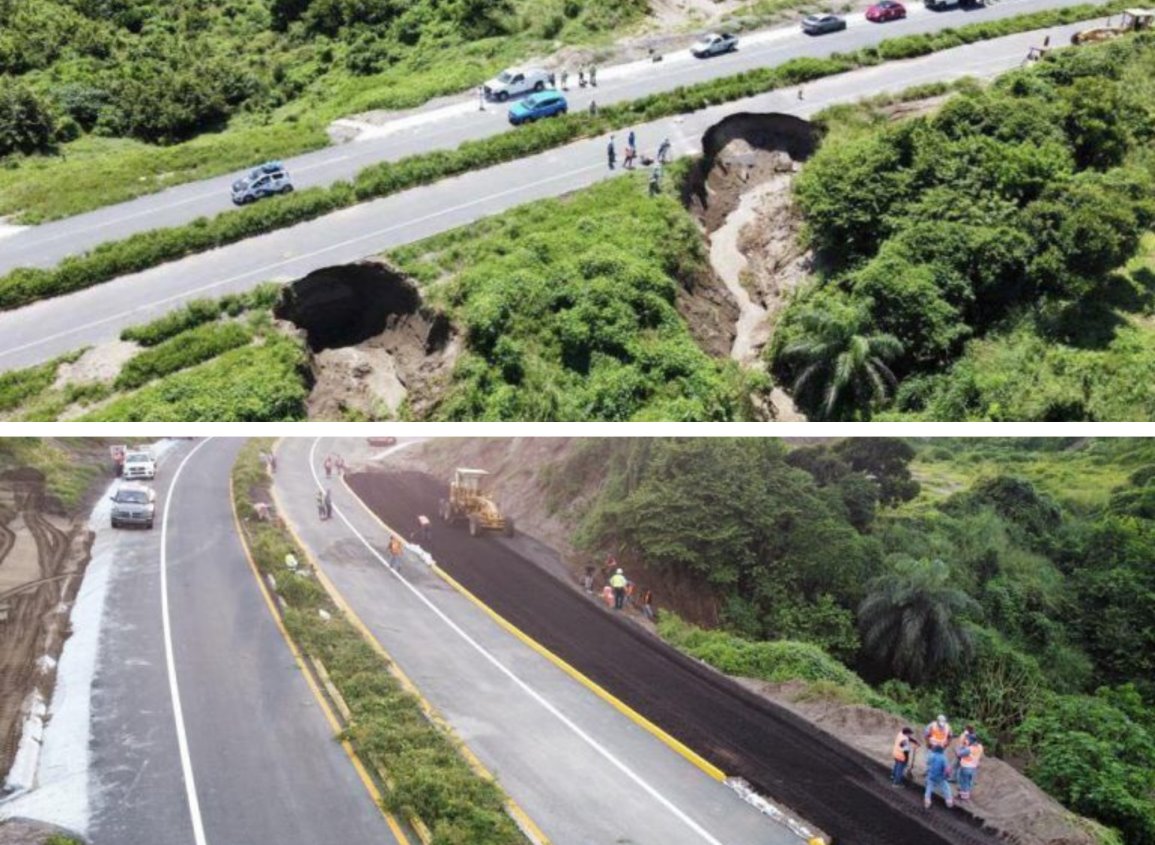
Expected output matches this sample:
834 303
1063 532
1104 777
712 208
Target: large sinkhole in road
345 306
374 342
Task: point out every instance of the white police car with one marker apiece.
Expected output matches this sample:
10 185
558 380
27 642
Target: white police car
264 181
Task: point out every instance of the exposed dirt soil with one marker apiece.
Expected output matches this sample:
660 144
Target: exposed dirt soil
25 832
828 783
375 344
100 363
740 193
42 558
1003 798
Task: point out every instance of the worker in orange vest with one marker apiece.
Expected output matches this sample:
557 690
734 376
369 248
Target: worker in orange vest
395 552
904 745
938 733
970 752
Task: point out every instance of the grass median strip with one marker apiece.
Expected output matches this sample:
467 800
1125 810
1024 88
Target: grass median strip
151 248
430 779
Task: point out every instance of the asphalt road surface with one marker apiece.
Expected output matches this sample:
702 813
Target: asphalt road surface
52 327
264 763
843 792
579 768
444 126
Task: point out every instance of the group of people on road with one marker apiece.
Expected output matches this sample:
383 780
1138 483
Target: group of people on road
940 771
619 591
334 462
630 157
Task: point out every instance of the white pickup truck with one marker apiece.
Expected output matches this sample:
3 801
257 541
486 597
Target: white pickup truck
138 463
514 81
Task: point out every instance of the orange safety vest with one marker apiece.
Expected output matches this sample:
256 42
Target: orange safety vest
971 761
899 751
394 546
938 735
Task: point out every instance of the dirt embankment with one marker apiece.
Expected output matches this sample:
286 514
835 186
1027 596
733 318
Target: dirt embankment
43 553
740 193
374 343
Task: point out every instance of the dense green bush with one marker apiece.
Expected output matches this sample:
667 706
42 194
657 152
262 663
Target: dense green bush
944 228
27 122
570 313
18 386
180 352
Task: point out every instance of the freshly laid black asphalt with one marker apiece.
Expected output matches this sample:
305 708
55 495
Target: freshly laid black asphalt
831 785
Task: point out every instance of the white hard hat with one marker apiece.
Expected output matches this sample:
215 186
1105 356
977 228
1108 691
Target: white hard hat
619 572
941 719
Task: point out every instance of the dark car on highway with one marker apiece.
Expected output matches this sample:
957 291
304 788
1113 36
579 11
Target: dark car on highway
886 10
133 504
818 24
537 106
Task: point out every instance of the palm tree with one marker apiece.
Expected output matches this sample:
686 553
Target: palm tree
912 620
844 367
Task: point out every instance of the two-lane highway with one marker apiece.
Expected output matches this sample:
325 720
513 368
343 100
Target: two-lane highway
52 327
204 731
440 126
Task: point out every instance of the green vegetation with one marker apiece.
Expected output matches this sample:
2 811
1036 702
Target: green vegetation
1023 608
570 312
138 95
70 467
971 255
201 311
185 350
153 247
388 728
254 383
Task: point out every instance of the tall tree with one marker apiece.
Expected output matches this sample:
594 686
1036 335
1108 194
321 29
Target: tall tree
912 620
843 372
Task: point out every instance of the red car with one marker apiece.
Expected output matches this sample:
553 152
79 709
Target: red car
886 10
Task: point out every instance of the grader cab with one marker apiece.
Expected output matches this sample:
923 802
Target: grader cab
469 502
1133 20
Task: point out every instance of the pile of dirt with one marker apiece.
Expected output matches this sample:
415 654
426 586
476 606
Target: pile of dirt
28 832
1004 799
374 343
43 553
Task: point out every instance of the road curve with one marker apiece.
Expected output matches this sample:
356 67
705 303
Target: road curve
43 330
264 760
439 126
845 793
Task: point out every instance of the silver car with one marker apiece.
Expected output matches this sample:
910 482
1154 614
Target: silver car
714 44
133 504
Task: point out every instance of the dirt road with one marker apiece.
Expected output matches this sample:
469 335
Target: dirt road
824 781
41 558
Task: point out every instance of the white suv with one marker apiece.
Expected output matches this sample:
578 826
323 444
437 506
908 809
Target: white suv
139 465
510 83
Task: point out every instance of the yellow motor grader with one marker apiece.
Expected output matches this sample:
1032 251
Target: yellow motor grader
1132 20
468 501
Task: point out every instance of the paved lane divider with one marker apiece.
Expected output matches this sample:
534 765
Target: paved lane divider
360 680
312 675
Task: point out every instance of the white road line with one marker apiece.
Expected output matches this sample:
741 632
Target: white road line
178 714
269 267
530 691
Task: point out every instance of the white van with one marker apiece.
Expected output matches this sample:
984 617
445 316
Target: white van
138 464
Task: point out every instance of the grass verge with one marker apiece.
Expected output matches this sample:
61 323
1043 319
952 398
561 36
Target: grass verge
151 248
387 726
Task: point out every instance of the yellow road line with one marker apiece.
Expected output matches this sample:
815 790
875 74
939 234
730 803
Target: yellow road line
527 824
334 724
619 705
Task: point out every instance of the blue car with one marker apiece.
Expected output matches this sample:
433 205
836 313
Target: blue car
545 104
